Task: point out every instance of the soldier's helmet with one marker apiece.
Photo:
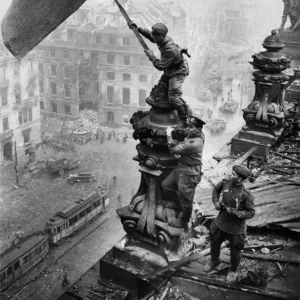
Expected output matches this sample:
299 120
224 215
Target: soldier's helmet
197 121
159 28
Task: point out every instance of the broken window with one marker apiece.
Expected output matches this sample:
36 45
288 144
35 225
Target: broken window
67 72
53 88
30 92
110 59
66 54
110 94
126 60
126 41
26 136
18 97
112 40
82 92
126 77
126 96
5 124
41 87
67 91
143 78
53 70
52 52
42 105
2 276
110 75
20 118
67 110
2 73
41 69
142 97
3 95
54 107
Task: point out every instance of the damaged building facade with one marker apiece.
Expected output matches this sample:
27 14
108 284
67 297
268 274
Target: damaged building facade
93 61
19 106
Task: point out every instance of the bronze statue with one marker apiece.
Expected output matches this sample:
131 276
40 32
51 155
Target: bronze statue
291 10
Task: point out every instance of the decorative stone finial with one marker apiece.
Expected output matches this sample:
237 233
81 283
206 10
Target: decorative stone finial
273 42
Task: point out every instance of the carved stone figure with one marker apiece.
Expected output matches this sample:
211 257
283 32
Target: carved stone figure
291 10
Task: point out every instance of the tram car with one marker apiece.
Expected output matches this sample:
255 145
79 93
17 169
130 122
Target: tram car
65 222
21 257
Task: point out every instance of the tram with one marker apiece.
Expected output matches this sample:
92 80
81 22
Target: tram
65 222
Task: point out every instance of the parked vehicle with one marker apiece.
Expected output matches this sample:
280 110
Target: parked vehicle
61 165
81 177
217 126
21 257
76 215
229 107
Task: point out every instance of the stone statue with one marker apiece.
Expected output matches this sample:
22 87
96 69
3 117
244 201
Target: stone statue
291 10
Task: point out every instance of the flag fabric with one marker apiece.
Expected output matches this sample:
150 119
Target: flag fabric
28 22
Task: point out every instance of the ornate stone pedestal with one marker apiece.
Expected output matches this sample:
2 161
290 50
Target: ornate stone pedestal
265 115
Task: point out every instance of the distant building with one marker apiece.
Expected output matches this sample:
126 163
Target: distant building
94 61
19 104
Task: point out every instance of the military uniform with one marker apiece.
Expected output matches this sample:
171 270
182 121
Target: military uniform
183 179
173 65
230 224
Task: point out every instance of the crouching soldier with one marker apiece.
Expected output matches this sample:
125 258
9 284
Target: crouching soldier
236 206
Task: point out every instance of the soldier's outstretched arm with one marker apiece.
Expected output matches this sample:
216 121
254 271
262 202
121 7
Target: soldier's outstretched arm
217 192
146 33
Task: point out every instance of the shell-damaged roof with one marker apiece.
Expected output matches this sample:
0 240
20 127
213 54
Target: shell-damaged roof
276 203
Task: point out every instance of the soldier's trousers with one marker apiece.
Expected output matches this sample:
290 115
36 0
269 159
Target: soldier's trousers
236 244
181 187
175 88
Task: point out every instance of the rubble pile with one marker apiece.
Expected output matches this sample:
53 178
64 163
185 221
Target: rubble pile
87 121
59 143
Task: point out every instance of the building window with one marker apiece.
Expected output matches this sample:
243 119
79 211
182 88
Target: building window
96 87
54 107
110 94
5 124
143 61
66 54
2 276
25 116
30 66
142 97
18 97
67 110
112 40
41 69
125 119
110 59
41 87
98 39
3 95
53 70
70 35
126 41
82 92
53 88
143 78
42 106
2 73
67 72
126 60
110 75
126 96
26 136
30 92
126 77
67 91
52 52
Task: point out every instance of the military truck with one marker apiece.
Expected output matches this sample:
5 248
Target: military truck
61 165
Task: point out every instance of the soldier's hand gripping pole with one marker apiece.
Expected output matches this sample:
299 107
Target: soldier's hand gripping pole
133 28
